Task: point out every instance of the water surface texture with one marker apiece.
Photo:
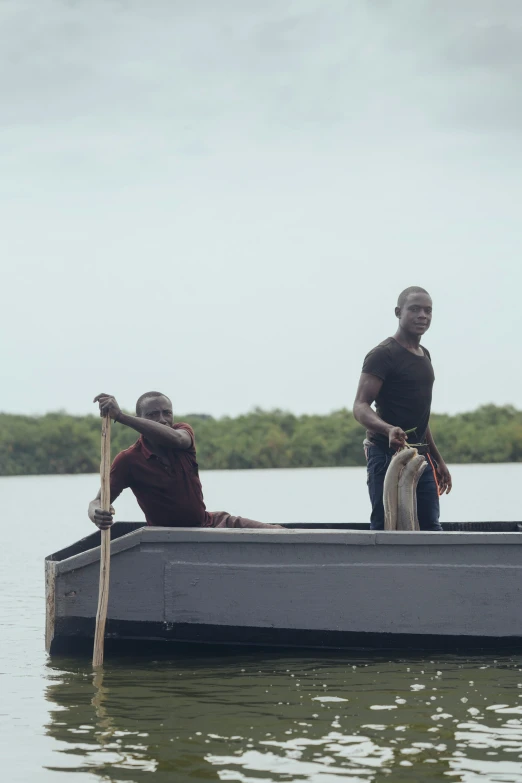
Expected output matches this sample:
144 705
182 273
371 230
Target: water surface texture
323 718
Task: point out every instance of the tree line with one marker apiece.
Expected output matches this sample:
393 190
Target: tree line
59 443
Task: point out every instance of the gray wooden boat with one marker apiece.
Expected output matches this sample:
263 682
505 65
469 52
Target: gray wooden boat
336 586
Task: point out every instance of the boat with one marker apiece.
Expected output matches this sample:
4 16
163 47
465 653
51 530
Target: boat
317 586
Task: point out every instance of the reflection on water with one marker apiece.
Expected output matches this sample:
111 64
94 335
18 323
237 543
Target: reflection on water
260 717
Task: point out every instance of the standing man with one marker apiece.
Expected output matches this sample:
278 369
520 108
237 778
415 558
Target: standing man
160 469
398 376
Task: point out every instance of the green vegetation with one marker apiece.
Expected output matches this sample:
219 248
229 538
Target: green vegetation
59 443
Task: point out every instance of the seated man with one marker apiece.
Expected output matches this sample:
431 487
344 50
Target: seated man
160 469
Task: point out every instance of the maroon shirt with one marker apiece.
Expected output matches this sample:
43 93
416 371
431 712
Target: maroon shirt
169 496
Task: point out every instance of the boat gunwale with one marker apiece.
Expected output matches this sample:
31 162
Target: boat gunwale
312 536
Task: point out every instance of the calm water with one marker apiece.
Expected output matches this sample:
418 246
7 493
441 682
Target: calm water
246 717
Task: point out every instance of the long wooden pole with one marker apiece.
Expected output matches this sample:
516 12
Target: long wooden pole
105 555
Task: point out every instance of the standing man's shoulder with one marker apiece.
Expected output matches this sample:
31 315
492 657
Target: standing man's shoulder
379 360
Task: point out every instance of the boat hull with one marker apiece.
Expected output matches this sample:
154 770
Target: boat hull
335 588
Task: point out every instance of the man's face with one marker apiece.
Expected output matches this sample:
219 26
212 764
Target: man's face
157 409
415 315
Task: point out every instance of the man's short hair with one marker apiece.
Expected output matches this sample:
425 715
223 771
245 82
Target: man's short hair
146 396
413 289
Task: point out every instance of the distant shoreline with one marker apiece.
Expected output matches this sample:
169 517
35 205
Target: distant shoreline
95 476
61 444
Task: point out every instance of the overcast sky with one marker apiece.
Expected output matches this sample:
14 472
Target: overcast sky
222 199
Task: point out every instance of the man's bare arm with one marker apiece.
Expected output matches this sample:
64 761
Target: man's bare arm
443 474
367 391
433 448
166 436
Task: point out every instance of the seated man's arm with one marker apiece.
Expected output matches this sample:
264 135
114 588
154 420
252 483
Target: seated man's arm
101 518
367 391
167 436
120 479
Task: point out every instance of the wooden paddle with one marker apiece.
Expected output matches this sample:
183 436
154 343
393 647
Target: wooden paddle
105 554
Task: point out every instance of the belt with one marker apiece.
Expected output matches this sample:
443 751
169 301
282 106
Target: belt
422 448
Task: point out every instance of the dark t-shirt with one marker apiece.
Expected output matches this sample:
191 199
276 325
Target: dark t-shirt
405 396
169 495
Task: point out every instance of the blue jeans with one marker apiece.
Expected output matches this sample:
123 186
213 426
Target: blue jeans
428 510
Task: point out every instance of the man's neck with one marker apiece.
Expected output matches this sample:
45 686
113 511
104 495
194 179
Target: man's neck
409 341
